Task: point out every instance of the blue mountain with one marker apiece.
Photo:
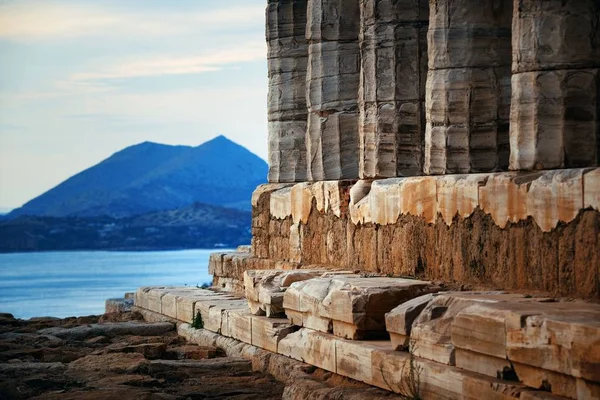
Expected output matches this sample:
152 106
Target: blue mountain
151 177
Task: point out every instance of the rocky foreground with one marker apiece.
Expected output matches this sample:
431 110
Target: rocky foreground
118 356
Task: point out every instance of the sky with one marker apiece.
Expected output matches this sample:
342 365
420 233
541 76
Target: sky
81 80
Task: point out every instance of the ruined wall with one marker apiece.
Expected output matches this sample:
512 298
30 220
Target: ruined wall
504 231
400 94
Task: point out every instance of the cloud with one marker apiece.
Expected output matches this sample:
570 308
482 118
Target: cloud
37 20
176 65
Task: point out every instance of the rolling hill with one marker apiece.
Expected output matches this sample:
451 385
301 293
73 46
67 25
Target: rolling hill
195 226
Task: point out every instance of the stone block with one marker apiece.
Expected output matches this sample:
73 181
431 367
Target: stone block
311 347
281 203
469 33
285 19
467 111
265 289
237 324
483 364
559 341
330 197
169 299
186 304
555 34
550 336
392 87
504 197
477 387
354 359
217 314
332 20
431 330
212 319
351 305
332 145
459 195
399 321
391 136
537 378
333 80
591 189
554 119
153 298
539 395
287 111
391 11
392 371
268 332
418 197
555 196
287 151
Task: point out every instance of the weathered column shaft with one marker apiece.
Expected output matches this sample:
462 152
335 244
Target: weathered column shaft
393 44
332 89
468 86
287 109
555 110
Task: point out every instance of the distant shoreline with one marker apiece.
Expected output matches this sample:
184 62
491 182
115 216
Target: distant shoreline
118 250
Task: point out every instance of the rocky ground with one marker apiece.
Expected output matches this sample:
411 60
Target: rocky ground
118 356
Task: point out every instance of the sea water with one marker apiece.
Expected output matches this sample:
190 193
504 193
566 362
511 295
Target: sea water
76 283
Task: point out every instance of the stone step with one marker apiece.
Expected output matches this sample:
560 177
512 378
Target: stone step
264 289
426 321
375 363
227 268
349 306
495 338
548 344
504 335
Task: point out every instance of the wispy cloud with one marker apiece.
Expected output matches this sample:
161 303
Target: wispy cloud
176 65
34 20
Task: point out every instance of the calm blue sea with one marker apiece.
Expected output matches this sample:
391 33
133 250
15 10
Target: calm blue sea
62 284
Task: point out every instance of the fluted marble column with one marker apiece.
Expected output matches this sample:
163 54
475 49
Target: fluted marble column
393 44
287 109
468 86
332 89
555 110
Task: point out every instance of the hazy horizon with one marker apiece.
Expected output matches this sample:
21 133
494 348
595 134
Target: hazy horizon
80 82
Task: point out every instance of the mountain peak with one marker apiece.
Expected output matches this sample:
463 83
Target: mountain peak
151 176
218 140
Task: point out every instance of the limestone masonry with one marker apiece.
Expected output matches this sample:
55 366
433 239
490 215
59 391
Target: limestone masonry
455 140
431 225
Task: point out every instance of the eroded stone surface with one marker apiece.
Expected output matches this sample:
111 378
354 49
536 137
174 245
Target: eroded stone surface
287 109
332 86
264 290
393 72
554 34
425 322
468 87
467 120
535 334
350 306
554 119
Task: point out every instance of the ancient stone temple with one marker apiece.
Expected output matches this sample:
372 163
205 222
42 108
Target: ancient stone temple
401 96
431 225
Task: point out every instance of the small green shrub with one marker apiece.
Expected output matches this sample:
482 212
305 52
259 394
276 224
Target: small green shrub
197 322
